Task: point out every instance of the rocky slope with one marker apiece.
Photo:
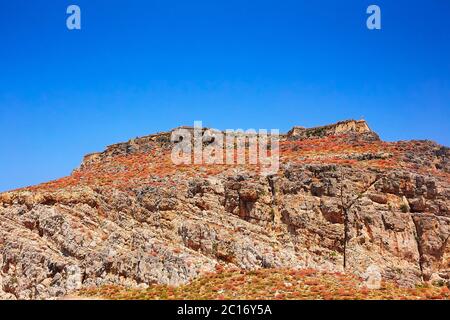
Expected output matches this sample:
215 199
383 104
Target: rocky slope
343 200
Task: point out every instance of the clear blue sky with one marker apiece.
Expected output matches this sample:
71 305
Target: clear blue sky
138 67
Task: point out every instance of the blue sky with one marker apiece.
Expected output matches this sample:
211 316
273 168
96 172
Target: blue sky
138 67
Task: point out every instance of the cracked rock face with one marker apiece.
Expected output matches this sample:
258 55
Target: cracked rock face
130 217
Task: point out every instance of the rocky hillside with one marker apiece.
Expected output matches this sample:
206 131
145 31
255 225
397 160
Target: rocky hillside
343 200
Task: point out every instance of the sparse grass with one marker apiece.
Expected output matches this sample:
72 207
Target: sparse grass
272 284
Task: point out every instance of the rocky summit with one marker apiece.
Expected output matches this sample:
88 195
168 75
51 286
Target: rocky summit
342 201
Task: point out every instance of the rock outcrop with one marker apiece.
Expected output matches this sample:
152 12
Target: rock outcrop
343 200
359 127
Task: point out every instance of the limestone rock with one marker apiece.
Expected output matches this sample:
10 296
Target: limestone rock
343 200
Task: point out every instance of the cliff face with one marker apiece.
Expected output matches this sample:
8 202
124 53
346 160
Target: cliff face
343 200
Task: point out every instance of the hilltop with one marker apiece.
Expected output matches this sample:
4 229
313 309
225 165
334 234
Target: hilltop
342 200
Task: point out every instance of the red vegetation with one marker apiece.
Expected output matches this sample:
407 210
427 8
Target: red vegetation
273 284
156 168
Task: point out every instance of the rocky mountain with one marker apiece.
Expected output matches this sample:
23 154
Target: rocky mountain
343 200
